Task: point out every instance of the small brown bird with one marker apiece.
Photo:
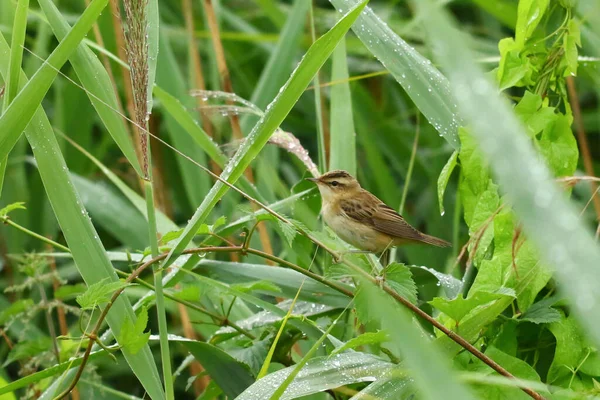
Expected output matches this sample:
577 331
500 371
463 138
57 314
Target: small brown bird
361 219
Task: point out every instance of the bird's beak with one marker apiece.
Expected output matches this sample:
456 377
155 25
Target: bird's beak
315 180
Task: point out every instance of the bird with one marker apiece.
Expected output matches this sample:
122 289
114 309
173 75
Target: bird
361 219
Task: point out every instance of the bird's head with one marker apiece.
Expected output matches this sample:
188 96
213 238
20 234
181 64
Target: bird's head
336 184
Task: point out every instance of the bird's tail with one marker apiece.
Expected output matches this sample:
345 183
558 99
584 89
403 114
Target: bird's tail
435 241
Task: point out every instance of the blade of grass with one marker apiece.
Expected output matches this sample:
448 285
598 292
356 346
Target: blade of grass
171 80
96 81
426 86
16 51
343 138
272 11
549 220
275 114
16 58
24 106
88 252
280 63
318 103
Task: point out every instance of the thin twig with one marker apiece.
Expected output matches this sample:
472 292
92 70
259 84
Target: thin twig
583 142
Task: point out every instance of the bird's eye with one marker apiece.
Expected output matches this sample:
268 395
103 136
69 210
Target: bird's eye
334 183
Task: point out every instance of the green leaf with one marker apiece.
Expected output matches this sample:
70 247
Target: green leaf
570 348
320 374
529 15
342 137
274 116
98 293
444 178
364 339
424 84
97 84
289 232
459 307
515 366
132 337
23 107
9 395
112 212
286 280
475 175
232 376
11 207
16 53
542 312
399 277
559 147
533 113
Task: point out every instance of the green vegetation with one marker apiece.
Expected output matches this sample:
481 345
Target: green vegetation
158 238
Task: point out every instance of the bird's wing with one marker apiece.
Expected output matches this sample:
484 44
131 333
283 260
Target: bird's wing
369 210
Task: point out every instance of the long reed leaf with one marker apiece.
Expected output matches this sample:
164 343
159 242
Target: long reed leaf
96 81
88 252
426 86
343 139
24 106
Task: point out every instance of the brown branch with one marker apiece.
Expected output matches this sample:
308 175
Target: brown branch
583 142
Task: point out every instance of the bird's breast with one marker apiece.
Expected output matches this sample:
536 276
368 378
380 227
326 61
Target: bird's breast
353 232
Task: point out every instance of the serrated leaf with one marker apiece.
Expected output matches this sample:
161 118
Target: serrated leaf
361 340
11 207
289 232
444 178
98 293
248 287
399 277
222 220
132 337
170 236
